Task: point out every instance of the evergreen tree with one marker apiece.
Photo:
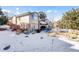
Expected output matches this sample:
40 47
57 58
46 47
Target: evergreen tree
3 17
70 19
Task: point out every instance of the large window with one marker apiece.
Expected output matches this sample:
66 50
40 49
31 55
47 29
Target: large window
34 16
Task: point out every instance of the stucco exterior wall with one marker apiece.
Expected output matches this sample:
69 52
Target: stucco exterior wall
25 19
13 20
18 21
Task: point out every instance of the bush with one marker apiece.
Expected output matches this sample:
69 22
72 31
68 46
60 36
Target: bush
14 27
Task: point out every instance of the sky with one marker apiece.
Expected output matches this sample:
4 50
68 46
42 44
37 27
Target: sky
53 13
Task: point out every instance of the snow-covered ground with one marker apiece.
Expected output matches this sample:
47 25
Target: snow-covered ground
38 42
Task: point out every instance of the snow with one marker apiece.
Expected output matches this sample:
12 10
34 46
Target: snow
34 43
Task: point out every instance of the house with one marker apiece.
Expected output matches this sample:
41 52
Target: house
29 21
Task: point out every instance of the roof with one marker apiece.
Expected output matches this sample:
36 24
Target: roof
24 14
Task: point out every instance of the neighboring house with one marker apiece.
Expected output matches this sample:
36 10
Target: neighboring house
29 21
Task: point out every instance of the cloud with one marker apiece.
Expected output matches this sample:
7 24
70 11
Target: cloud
17 12
49 11
7 11
17 9
55 11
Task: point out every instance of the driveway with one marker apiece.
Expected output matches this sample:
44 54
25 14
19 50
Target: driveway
38 42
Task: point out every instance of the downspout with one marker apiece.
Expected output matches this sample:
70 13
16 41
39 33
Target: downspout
38 22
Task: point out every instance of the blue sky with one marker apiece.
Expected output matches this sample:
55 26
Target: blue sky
53 12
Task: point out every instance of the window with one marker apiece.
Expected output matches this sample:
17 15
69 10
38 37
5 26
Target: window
34 16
